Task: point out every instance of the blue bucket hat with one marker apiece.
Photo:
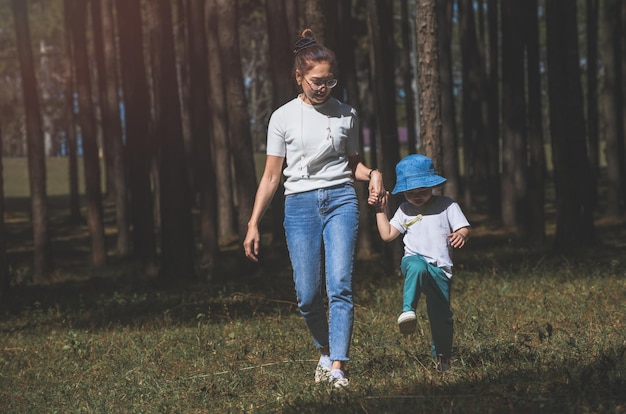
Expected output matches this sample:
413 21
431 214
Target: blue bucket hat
416 171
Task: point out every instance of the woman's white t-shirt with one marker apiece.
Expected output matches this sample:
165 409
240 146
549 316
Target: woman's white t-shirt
316 141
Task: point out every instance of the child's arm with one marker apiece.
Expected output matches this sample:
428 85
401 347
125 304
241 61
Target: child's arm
459 237
385 229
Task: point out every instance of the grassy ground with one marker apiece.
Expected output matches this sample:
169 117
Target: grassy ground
535 332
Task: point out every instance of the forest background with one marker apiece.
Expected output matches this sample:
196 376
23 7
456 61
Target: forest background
132 139
166 104
508 98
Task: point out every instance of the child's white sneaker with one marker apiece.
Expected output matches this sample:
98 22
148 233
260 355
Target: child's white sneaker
407 321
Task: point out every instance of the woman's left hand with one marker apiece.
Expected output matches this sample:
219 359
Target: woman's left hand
377 193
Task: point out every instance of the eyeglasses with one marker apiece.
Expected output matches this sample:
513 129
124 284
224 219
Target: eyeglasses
319 83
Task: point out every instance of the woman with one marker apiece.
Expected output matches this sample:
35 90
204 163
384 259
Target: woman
318 137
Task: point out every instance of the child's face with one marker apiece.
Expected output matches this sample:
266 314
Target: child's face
419 196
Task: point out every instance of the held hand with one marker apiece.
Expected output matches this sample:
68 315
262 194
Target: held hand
457 240
378 201
377 192
251 244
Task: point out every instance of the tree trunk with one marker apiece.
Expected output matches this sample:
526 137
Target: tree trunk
382 71
5 277
137 116
283 88
428 79
201 133
348 77
181 42
87 121
407 77
281 59
42 262
237 108
226 213
574 216
474 112
106 60
623 89
315 19
449 135
177 240
593 118
384 124
537 156
514 135
613 103
102 85
293 19
70 120
493 112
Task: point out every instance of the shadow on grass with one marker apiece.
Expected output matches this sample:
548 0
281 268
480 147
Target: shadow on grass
119 294
567 388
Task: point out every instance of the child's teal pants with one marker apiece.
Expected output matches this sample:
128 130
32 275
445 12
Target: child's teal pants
423 277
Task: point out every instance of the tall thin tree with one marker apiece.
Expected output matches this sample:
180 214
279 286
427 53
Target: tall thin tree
238 117
514 134
428 80
42 260
201 131
536 153
70 119
449 130
139 149
283 87
87 121
177 239
227 222
474 106
623 84
407 75
5 280
383 101
108 87
593 115
493 110
382 72
613 103
346 50
315 19
572 175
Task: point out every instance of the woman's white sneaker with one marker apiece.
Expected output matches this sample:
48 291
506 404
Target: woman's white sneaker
322 371
338 379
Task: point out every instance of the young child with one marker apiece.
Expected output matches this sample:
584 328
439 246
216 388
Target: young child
432 225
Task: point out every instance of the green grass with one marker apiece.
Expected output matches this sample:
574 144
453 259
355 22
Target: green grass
535 332
536 335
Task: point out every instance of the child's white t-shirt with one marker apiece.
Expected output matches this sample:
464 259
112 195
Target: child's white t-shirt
428 236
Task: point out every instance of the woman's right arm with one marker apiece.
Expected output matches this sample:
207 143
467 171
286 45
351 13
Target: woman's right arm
267 187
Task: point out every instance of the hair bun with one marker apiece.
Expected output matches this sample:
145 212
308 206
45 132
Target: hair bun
303 43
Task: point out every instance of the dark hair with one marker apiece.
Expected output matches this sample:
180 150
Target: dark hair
308 52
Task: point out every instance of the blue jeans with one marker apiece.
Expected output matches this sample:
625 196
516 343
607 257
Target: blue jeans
323 224
423 277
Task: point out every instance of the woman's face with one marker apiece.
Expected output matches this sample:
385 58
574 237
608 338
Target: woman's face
314 83
419 196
